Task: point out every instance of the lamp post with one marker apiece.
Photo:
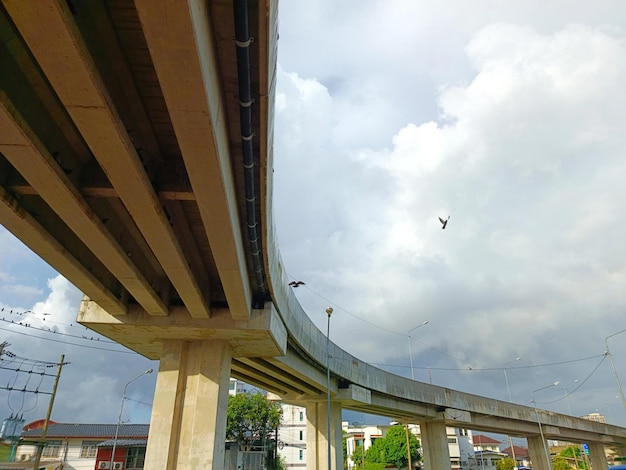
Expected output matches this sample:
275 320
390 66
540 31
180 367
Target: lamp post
119 418
608 353
410 353
329 312
545 444
506 379
567 394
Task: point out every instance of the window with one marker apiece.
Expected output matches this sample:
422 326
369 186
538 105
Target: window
300 435
52 449
88 449
452 440
302 416
135 457
301 454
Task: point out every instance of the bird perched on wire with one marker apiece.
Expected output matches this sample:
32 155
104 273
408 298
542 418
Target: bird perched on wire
444 222
296 283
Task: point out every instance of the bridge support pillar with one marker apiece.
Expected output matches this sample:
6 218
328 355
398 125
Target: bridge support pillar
537 452
435 445
598 456
188 423
317 438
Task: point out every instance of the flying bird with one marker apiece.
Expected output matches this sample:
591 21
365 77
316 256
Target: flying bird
444 222
296 283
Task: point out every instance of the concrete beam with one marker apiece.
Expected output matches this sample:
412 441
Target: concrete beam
181 43
263 335
20 145
53 37
22 224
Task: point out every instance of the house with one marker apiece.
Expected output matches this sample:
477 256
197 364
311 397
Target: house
75 446
487 451
90 447
360 437
522 459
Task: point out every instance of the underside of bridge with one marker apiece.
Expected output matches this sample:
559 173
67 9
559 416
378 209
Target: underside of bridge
125 138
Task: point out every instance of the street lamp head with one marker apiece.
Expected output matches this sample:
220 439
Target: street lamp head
329 311
557 382
149 371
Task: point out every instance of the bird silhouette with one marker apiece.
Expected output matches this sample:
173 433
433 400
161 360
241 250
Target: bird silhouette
296 283
444 222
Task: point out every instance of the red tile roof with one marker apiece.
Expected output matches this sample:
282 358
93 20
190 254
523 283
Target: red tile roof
479 439
520 452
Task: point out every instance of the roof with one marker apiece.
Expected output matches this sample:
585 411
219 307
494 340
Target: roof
104 431
29 465
519 451
479 439
124 443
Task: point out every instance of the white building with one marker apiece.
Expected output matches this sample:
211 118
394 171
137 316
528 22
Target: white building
292 436
487 451
359 438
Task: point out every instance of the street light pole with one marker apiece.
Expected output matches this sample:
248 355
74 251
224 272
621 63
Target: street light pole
119 418
608 353
506 379
545 443
329 312
410 353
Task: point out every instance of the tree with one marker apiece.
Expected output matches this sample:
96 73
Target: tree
560 463
251 418
574 457
505 464
392 448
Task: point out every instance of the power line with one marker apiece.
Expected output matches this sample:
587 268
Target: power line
68 342
349 312
28 325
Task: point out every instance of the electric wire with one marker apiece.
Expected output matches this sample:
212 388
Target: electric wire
337 306
568 393
26 313
68 342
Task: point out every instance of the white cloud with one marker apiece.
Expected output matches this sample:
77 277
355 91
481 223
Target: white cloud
526 157
91 381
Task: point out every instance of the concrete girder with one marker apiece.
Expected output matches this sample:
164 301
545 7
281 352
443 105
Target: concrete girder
29 156
262 335
53 37
180 39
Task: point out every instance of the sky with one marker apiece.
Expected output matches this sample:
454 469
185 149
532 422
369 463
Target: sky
506 117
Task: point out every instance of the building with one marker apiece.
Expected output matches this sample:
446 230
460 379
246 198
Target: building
487 451
292 436
522 457
76 446
597 417
359 438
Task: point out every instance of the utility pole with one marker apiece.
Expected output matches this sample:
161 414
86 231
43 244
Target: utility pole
44 432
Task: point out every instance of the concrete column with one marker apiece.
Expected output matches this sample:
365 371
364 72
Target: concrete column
316 436
435 445
188 423
537 452
598 456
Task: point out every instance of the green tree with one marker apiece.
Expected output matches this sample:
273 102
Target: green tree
392 449
560 463
344 447
505 464
574 457
251 418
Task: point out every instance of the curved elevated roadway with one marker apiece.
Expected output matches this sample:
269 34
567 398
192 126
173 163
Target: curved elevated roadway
136 159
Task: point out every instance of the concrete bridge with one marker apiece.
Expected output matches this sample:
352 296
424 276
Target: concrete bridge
136 159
